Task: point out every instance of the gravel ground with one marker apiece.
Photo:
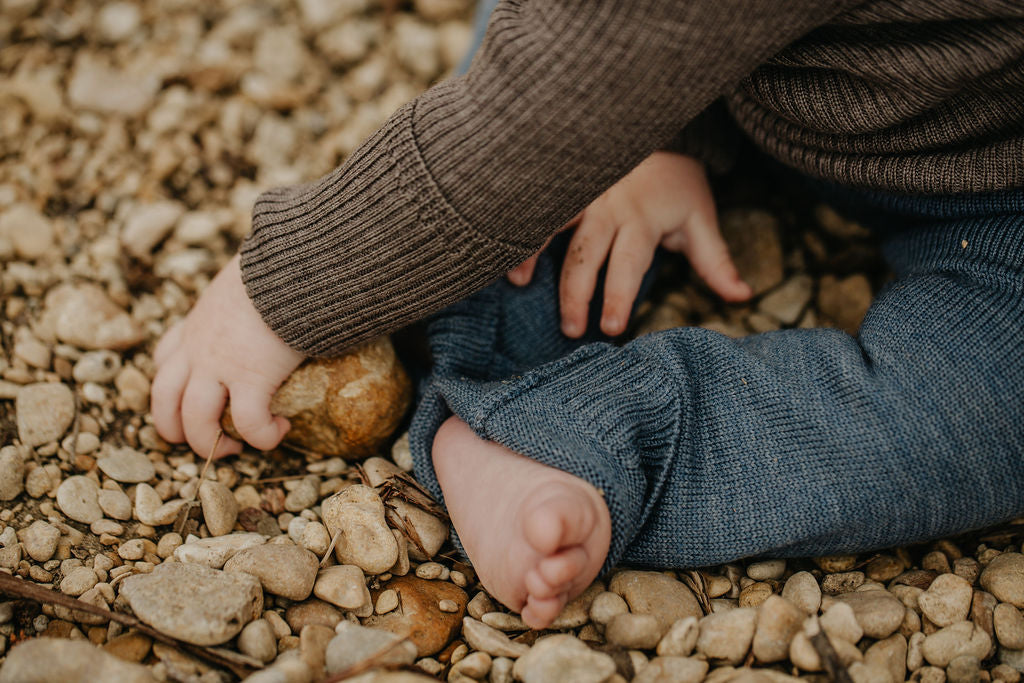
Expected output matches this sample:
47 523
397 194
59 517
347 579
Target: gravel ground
134 138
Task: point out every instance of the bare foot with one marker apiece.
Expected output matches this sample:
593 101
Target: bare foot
537 536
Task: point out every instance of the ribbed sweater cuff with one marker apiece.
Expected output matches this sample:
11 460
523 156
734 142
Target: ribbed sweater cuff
368 248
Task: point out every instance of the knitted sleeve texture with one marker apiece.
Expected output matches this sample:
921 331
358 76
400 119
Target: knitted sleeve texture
466 181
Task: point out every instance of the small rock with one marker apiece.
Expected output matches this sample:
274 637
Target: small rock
77 497
1007 622
365 539
674 670
843 582
83 315
802 590
767 569
432 532
889 655
285 570
680 639
482 637
1004 578
778 620
97 87
115 504
727 636
964 669
97 366
132 550
220 509
131 647
39 540
388 600
419 617
311 612
606 606
656 594
126 465
132 390
29 232
257 640
343 585
563 658
214 552
12 472
148 224
755 594
947 600
44 660
44 412
753 240
194 603
303 496
962 638
315 538
354 643
577 611
152 510
845 301
78 580
878 612
634 631
118 20
839 621
347 406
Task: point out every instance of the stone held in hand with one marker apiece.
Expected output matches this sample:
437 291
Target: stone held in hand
347 406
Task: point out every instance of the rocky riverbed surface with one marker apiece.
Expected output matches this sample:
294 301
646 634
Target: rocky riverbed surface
134 137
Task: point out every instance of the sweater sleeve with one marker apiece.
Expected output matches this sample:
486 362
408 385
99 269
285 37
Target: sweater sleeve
466 181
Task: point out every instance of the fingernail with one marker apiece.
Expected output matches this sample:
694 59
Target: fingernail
570 328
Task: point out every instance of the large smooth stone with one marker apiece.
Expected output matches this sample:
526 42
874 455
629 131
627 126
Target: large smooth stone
656 594
45 660
347 406
418 617
285 570
194 603
83 315
44 411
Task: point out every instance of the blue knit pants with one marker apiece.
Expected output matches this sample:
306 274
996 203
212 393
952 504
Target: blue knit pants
790 443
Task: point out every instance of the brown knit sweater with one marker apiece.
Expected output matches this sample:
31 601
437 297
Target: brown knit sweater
566 96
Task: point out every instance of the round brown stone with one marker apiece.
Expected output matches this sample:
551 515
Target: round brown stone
418 616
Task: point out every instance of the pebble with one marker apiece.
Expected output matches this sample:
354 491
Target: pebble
767 569
1009 626
194 603
504 621
29 232
304 495
315 538
803 591
843 582
77 497
838 621
563 657
420 617
576 612
606 606
81 314
1004 578
257 640
962 638
680 639
634 631
214 552
117 21
365 539
44 412
656 594
78 580
115 503
482 637
96 87
755 594
97 366
147 225
37 482
727 636
889 655
388 600
12 472
131 647
431 531
964 669
778 620
947 600
674 670
126 465
785 304
43 660
878 612
220 509
152 510
343 585
39 540
283 569
354 643
132 550
753 240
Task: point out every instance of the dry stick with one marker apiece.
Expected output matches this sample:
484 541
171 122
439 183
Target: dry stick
330 548
30 591
366 664
186 510
829 660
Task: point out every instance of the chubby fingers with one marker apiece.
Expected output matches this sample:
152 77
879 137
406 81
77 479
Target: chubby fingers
708 254
201 408
165 398
630 257
587 252
250 412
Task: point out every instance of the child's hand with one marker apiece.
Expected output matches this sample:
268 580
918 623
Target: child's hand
665 200
221 348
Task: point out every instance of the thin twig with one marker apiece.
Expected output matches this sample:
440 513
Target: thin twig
186 510
330 548
829 659
30 591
